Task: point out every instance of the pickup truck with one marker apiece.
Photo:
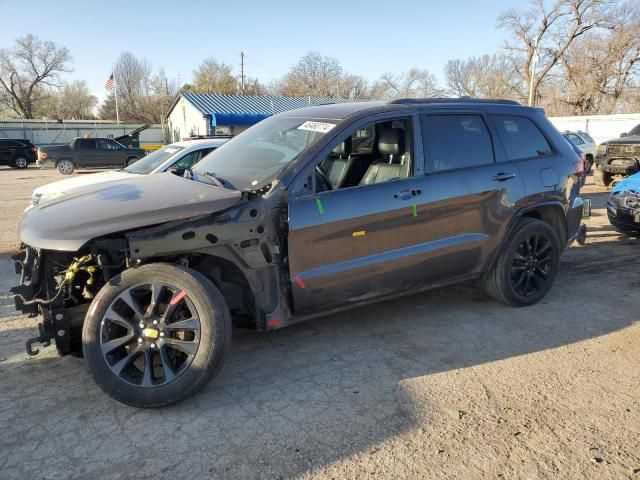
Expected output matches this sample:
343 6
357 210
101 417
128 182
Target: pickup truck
87 153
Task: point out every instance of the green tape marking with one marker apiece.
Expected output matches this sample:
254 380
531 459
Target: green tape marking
414 209
320 207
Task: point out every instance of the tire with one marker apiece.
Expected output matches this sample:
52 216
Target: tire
182 358
65 167
589 165
601 178
504 281
20 162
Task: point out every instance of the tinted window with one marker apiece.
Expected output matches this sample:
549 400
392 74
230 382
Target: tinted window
455 141
521 137
86 143
104 144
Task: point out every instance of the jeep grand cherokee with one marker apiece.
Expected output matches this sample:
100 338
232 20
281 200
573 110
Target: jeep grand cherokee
306 213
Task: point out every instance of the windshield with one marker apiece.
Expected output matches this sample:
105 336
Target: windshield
254 158
152 161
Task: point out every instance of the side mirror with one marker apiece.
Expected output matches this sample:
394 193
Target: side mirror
623 134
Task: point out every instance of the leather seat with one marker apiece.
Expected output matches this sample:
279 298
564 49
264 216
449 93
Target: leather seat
346 170
395 161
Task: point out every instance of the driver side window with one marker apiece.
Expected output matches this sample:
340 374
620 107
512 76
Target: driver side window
378 152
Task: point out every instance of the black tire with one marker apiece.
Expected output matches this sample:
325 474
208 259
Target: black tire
503 281
20 162
190 292
589 165
601 178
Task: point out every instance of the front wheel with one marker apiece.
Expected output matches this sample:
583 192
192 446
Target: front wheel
527 265
155 334
65 167
603 179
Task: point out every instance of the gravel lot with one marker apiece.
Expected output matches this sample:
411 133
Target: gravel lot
445 384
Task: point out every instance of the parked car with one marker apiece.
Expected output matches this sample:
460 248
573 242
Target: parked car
17 152
585 144
623 206
618 158
306 213
581 155
87 153
176 157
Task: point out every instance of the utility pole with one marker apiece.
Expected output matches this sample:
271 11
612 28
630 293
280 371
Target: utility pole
241 73
532 74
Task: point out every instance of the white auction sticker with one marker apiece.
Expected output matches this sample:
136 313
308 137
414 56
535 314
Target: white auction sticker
321 127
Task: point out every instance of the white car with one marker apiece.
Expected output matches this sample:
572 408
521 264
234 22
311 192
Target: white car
585 144
177 156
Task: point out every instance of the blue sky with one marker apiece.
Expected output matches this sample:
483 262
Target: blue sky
369 38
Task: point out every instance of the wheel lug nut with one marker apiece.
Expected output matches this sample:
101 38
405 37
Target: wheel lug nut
140 339
161 334
141 325
155 322
153 345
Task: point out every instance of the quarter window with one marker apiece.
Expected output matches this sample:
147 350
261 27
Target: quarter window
521 137
455 141
575 139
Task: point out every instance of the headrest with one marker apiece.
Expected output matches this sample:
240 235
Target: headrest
391 141
343 148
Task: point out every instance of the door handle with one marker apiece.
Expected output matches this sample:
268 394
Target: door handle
408 193
501 177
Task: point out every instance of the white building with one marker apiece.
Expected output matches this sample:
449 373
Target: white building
193 114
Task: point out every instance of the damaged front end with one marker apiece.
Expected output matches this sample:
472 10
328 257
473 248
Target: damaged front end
623 206
59 286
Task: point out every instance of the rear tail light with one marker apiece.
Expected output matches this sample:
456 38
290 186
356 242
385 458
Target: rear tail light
580 164
42 155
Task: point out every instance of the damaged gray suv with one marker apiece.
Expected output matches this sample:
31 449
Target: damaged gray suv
306 213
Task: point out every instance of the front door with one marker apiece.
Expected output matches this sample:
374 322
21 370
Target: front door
348 238
87 154
110 153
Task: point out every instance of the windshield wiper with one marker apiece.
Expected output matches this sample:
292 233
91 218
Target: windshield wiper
218 181
210 178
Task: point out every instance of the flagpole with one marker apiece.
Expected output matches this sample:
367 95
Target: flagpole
115 92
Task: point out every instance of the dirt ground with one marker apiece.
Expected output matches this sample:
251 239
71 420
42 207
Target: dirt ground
445 384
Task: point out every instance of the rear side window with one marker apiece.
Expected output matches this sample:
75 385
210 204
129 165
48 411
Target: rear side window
575 139
521 137
455 141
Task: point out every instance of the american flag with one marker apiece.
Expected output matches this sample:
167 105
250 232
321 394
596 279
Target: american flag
110 83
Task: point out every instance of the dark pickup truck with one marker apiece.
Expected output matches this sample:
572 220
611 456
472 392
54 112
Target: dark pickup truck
87 153
618 158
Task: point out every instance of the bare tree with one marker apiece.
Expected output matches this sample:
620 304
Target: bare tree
415 83
313 75
28 70
74 101
549 31
143 97
488 76
214 77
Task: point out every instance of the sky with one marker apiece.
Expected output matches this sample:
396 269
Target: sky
368 38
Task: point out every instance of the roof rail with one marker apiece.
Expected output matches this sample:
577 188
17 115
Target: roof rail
410 101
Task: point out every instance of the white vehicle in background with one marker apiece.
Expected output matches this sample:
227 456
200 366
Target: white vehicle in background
585 144
178 156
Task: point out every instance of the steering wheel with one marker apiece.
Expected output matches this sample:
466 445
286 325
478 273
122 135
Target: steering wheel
322 175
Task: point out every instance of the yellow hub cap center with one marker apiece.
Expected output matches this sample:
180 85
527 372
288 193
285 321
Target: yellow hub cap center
150 333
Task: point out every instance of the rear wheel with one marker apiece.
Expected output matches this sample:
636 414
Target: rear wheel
65 167
20 162
155 334
527 265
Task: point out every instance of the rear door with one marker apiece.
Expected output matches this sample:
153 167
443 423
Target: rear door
7 149
470 192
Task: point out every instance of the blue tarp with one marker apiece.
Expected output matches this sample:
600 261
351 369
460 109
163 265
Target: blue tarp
233 119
